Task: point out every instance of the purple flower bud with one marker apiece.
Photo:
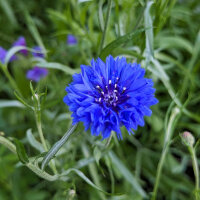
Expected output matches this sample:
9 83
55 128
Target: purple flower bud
21 42
187 138
36 73
37 52
71 39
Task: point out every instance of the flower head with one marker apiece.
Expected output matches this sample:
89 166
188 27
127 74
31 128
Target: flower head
106 96
71 39
36 73
21 42
37 52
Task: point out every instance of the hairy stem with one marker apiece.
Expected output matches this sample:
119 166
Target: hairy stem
41 135
196 171
31 166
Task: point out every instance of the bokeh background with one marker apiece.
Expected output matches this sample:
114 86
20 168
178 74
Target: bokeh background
161 35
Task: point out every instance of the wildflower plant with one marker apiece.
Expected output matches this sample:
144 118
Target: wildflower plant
105 65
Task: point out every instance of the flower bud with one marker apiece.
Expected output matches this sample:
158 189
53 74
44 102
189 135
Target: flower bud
2 133
187 138
36 96
72 194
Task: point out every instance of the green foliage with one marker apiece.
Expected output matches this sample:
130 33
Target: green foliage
164 36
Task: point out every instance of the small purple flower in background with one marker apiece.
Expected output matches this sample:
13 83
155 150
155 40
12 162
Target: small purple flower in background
36 73
37 52
71 39
106 96
21 42
3 53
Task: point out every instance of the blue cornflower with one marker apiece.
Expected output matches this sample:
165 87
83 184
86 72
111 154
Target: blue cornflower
21 42
36 73
37 52
71 39
106 96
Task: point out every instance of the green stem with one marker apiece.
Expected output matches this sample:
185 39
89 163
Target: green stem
41 135
31 166
196 171
9 77
168 135
39 127
106 25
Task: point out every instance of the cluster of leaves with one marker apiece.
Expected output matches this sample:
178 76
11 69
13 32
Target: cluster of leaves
162 35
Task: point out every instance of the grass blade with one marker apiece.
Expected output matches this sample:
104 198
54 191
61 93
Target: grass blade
118 42
148 33
127 174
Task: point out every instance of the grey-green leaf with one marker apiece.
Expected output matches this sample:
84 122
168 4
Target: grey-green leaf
34 143
56 147
148 33
53 65
10 103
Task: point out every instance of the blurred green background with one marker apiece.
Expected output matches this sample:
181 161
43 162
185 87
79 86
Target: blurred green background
161 35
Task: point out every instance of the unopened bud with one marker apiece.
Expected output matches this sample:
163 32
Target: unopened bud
35 96
72 194
188 138
2 133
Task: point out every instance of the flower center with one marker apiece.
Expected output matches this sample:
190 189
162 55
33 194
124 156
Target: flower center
112 95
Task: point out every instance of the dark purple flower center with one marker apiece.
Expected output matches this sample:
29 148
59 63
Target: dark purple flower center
112 95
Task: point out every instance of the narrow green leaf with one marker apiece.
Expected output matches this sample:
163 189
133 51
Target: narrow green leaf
34 95
34 143
21 152
118 42
106 25
22 100
10 103
173 42
100 15
127 174
84 177
9 12
148 33
12 51
57 15
52 65
34 31
97 155
82 1
56 147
